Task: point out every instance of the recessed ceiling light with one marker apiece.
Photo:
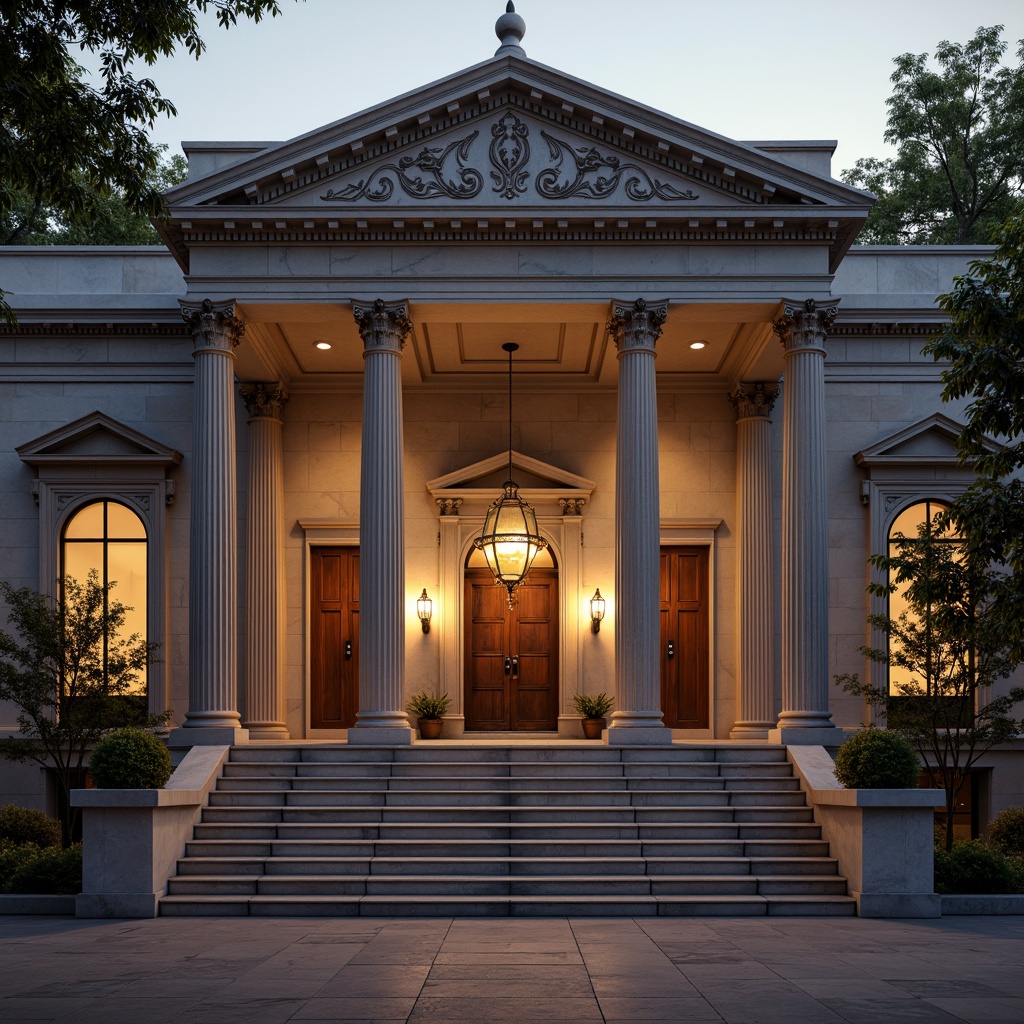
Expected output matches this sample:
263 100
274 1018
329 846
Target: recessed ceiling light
698 344
323 345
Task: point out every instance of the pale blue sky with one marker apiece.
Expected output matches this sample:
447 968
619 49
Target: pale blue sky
748 69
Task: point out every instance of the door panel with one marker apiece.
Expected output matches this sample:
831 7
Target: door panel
685 619
511 655
334 637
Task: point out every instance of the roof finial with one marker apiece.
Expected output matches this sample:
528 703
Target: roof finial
510 29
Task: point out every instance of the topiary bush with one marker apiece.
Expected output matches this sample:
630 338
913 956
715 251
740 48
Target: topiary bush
130 759
26 825
876 759
12 857
1006 831
972 866
51 872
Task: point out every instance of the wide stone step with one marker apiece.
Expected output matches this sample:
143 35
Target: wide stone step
507 906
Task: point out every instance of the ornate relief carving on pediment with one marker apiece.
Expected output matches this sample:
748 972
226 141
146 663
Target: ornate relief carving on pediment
523 162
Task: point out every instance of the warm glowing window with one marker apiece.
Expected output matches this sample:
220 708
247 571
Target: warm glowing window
907 525
110 538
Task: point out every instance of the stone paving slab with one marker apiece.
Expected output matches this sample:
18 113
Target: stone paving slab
586 970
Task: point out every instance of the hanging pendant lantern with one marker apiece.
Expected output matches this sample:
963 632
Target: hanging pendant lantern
510 540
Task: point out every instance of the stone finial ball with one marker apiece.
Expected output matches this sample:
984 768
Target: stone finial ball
510 27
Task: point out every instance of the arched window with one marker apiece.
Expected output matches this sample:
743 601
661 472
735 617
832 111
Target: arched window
110 538
907 527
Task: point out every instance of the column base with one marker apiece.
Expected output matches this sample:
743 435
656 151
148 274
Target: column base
638 736
206 736
751 730
830 736
268 732
380 736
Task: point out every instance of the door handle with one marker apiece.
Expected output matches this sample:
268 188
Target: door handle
515 666
671 649
508 666
348 648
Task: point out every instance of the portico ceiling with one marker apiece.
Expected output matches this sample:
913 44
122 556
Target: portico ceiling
458 347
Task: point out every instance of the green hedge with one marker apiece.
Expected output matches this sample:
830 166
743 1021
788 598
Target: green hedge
130 759
876 759
49 872
25 825
1006 831
972 866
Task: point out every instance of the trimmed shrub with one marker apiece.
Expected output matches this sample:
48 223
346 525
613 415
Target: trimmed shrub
972 866
51 872
876 759
130 759
1006 831
12 857
26 825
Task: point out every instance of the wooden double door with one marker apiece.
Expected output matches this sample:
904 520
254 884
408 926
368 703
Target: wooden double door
685 637
511 654
334 637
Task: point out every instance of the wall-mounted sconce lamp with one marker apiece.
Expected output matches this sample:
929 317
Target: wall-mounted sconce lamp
596 611
424 609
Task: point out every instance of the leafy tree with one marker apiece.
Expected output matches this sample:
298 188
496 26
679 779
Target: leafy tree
984 346
113 222
948 648
959 131
71 673
65 144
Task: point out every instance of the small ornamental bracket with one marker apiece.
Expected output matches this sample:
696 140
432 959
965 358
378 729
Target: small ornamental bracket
572 506
448 506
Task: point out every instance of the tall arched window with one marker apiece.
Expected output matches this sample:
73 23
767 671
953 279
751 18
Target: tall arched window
110 538
907 527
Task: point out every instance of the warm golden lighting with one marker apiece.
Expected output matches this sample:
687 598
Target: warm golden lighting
698 344
425 610
510 539
324 346
597 607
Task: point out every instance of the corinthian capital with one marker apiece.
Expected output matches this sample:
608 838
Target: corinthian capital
637 326
805 324
214 324
754 399
382 325
263 401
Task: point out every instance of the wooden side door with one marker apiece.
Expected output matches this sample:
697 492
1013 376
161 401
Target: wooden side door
511 654
334 637
685 620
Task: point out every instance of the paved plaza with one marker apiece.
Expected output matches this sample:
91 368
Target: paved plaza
739 970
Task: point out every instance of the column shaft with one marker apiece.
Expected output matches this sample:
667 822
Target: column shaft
381 718
212 716
755 701
805 680
264 564
638 717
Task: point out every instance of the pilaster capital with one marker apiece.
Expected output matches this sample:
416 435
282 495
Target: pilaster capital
804 325
383 326
448 506
263 401
572 506
754 400
637 326
214 325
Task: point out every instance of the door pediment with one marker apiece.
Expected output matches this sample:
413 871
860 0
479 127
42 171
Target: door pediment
550 489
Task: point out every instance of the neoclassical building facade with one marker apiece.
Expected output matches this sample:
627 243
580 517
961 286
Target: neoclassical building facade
280 430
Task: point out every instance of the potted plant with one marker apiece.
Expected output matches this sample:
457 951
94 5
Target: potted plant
593 710
429 711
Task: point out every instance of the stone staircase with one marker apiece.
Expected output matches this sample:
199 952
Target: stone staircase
459 829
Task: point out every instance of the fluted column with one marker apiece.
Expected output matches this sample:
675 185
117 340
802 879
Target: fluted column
802 329
381 718
638 717
264 563
755 702
212 715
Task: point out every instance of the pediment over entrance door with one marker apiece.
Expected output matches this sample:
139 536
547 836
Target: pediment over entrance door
552 491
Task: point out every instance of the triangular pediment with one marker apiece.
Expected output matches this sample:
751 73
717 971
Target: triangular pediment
96 438
548 487
929 442
506 144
